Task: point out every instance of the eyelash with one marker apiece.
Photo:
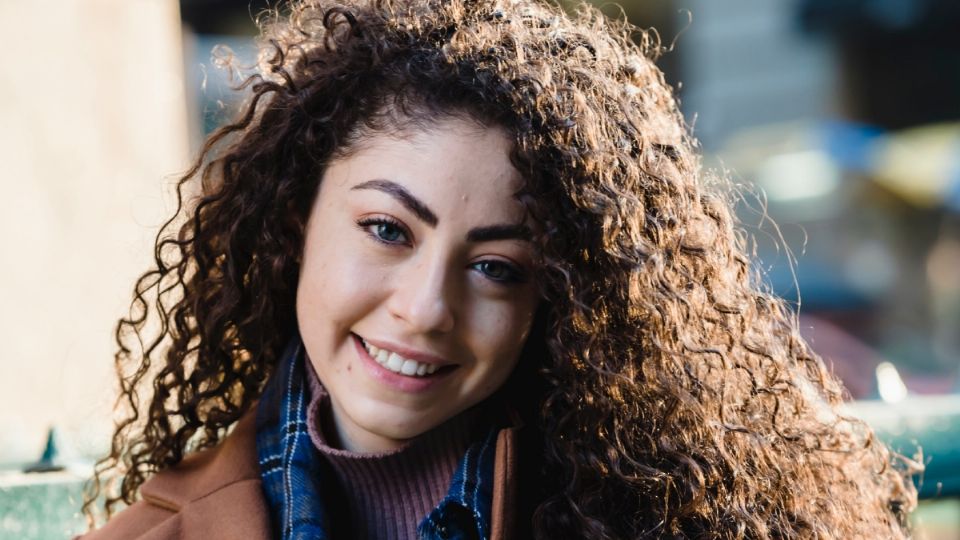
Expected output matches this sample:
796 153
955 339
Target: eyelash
365 224
515 275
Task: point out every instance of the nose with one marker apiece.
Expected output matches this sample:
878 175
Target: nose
422 296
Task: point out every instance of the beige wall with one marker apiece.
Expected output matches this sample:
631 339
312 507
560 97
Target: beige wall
93 133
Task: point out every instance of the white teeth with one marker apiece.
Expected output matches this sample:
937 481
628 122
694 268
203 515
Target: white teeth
398 364
409 367
395 362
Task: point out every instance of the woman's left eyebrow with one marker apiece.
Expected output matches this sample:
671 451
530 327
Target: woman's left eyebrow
500 232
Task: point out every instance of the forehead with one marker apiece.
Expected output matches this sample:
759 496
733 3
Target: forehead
460 169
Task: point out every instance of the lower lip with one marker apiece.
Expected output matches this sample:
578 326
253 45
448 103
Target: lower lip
396 380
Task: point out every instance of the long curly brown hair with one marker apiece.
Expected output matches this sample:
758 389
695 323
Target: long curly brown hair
678 399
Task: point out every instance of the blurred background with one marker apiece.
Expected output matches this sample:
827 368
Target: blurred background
839 118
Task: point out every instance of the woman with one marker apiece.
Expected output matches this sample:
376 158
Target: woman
455 272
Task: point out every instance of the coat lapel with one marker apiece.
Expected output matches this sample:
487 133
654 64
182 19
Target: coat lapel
216 493
503 519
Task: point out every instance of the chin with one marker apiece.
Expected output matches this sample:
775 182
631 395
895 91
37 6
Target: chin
396 423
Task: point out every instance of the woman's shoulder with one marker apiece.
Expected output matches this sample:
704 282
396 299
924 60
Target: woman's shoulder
214 493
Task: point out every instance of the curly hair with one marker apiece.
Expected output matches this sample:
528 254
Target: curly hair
678 399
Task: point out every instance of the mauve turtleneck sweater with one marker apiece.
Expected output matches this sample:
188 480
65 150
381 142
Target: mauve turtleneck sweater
388 494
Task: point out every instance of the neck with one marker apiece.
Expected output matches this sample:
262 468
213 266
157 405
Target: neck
343 434
388 492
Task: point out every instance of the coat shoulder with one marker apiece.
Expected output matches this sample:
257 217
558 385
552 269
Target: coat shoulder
214 493
142 521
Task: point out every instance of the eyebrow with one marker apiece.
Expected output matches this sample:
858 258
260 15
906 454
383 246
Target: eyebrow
486 233
405 198
500 232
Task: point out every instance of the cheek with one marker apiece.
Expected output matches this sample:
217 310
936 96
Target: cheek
499 336
335 287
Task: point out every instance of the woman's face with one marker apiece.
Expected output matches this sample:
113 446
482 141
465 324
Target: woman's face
416 291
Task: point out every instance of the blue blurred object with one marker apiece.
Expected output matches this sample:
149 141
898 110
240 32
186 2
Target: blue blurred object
877 15
923 427
849 144
952 199
50 460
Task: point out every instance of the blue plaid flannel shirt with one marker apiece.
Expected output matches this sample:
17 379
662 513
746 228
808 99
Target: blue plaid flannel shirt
293 474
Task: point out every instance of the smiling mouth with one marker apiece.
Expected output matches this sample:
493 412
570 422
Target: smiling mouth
401 365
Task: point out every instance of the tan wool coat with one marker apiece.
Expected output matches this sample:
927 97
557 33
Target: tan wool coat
215 494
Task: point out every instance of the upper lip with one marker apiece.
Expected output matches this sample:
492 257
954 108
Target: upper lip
413 354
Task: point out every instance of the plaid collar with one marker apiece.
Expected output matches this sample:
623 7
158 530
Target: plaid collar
293 473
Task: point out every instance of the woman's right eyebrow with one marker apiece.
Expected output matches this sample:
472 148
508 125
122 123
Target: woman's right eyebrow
404 197
487 233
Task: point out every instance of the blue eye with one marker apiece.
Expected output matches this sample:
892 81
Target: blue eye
384 230
500 271
388 232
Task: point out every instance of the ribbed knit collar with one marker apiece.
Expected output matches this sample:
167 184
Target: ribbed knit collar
389 493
